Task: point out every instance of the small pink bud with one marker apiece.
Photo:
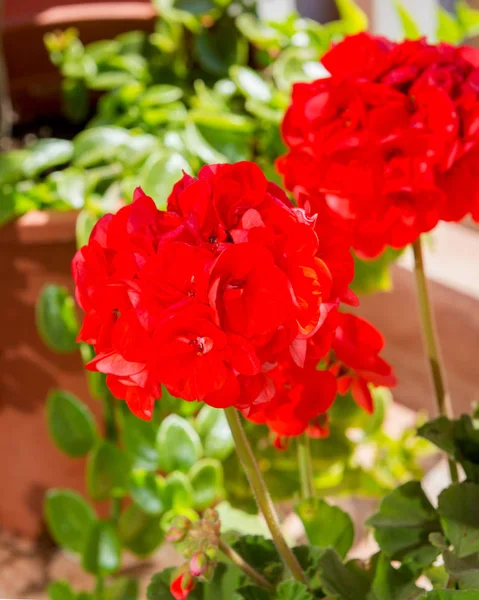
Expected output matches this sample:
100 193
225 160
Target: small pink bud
175 535
198 564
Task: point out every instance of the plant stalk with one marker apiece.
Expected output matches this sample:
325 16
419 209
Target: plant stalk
244 566
431 344
263 499
111 433
305 467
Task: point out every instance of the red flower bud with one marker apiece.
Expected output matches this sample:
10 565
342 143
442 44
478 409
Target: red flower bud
181 586
198 564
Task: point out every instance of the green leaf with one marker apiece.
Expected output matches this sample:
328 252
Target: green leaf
162 93
102 551
147 490
230 135
107 472
293 590
292 67
212 425
85 223
46 154
69 518
354 19
347 581
392 584
200 147
220 47
60 590
225 582
139 439
70 423
411 30
70 186
75 99
56 319
11 166
448 28
159 174
261 553
403 524
450 595
468 18
251 592
464 570
326 525
99 144
251 84
309 557
178 444
206 478
123 588
178 492
374 275
139 532
457 508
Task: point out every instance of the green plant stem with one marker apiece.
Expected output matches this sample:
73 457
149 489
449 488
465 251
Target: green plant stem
111 432
244 566
261 493
305 467
431 344
99 587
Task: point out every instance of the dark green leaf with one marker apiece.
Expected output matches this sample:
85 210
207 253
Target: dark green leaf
215 433
123 588
70 423
139 532
450 595
261 553
326 525
347 581
220 47
102 552
464 570
225 582
251 592
403 524
148 490
178 444
107 472
459 517
46 154
206 478
195 7
56 319
392 584
60 590
69 518
75 101
293 590
139 438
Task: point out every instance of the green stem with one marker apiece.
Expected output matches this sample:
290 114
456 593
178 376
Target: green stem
431 344
99 587
111 432
261 493
305 467
244 566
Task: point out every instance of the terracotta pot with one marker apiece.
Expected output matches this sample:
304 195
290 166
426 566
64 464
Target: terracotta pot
34 81
35 250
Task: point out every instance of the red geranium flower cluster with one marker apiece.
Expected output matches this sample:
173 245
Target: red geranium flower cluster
230 297
389 144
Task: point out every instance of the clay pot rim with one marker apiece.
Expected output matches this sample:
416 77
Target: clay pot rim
40 227
58 16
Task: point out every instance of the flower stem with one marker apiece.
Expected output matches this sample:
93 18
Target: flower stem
431 344
244 566
111 433
305 467
261 493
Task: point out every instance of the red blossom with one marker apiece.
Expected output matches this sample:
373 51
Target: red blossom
181 586
388 145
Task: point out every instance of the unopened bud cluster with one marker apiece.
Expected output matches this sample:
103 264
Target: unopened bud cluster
198 542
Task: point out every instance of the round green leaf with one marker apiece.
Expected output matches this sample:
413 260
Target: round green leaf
215 433
139 532
46 154
108 472
159 174
99 144
251 84
70 423
56 319
11 166
178 444
207 481
147 490
178 492
60 590
68 517
102 551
